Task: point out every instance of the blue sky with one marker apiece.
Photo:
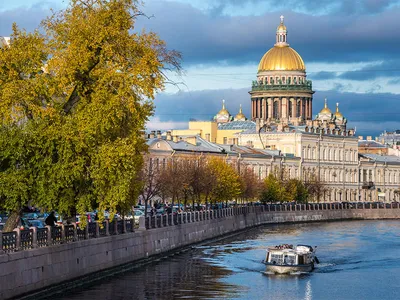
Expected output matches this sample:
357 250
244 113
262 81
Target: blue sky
350 48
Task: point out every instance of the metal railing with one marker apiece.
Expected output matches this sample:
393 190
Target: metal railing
33 237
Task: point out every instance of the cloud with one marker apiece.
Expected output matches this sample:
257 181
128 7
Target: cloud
156 124
370 113
28 18
314 6
215 39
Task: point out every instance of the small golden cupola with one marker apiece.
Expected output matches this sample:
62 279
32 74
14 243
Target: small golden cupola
223 115
325 110
240 116
338 114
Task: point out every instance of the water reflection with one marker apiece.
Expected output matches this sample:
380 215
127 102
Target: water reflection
184 276
352 256
308 295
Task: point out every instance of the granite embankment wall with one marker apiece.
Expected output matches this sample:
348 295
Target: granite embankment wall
24 271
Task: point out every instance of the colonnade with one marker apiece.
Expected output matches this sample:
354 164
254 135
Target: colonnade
268 108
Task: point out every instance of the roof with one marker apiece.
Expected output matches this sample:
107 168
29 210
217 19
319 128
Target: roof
382 158
182 145
370 144
237 125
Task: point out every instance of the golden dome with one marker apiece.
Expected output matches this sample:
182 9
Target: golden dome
224 111
325 110
240 116
281 27
337 113
281 58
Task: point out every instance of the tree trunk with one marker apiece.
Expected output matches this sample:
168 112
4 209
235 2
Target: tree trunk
12 221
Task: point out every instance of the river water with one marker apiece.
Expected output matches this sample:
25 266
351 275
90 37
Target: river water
358 260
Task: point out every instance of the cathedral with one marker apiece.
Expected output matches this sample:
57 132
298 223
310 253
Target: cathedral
281 92
283 132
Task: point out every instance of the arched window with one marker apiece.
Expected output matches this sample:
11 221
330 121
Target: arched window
323 154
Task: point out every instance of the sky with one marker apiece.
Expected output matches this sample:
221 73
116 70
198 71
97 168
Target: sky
350 48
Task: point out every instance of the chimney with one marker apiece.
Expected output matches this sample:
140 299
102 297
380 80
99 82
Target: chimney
152 134
175 138
169 136
191 140
360 137
159 134
369 138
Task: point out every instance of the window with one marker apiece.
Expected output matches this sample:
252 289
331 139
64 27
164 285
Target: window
225 140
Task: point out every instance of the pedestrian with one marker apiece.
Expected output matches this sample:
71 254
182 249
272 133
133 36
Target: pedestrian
51 219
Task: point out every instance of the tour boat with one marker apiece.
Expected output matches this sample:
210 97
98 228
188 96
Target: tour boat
285 259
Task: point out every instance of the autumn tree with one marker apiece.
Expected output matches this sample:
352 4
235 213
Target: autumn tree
272 189
73 103
295 190
227 182
171 179
150 178
315 187
250 184
202 180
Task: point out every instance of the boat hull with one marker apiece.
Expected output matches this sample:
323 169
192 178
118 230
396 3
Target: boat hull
287 269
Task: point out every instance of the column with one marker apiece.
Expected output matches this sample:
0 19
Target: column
280 108
284 108
252 109
270 107
258 108
305 108
301 106
294 108
264 114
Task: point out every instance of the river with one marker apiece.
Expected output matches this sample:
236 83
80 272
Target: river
358 260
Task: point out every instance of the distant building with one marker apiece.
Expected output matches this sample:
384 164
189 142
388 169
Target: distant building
4 42
390 138
282 133
369 146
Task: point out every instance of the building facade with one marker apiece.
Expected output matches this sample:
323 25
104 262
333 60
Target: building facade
282 134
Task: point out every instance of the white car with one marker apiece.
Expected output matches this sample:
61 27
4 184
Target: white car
138 214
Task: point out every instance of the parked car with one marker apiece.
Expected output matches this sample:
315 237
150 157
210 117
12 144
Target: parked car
138 214
30 216
36 223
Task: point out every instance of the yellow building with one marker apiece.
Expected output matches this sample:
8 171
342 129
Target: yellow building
221 129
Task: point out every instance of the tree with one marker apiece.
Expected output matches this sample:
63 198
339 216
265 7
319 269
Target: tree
150 177
202 180
296 191
250 184
73 104
272 189
227 182
315 187
171 179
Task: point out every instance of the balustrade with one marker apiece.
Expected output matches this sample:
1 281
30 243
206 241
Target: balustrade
19 240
